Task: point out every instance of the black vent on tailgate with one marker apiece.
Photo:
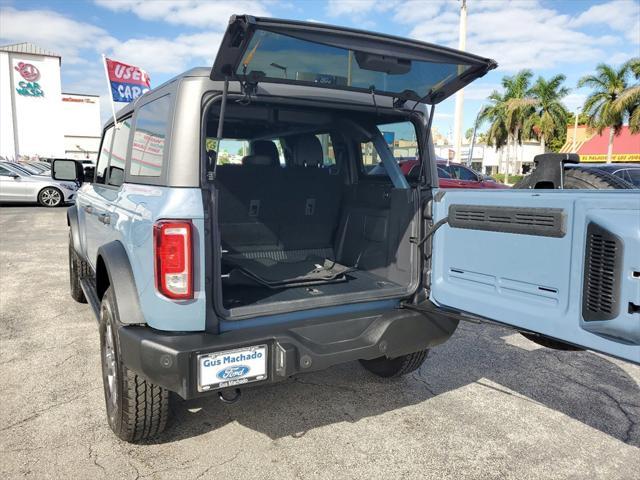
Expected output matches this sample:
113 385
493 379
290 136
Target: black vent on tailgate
545 222
602 270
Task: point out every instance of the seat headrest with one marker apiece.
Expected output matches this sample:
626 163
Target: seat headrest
307 151
266 148
251 160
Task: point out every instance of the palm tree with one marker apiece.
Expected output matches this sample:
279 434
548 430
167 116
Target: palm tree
547 116
601 106
629 99
517 109
495 113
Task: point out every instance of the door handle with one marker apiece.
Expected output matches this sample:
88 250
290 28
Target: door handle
88 208
105 218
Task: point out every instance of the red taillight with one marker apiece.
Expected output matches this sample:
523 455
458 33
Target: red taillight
174 259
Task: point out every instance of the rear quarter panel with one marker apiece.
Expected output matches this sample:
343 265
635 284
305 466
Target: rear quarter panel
137 209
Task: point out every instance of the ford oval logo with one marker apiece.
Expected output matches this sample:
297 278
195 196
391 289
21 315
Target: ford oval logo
230 373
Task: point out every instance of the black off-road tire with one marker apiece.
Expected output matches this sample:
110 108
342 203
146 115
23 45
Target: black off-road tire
50 197
139 410
582 178
395 367
78 269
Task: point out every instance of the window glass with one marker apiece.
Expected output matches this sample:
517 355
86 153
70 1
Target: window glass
279 56
442 173
4 172
328 155
149 138
466 174
232 151
119 153
634 176
402 141
19 170
103 157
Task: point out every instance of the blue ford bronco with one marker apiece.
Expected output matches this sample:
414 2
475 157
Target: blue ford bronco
236 232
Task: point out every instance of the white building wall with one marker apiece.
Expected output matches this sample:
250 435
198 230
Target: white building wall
38 119
7 140
82 129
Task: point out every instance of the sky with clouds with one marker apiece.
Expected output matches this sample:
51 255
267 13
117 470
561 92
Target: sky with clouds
166 37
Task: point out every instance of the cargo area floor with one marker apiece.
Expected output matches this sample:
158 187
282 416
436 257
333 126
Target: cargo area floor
357 281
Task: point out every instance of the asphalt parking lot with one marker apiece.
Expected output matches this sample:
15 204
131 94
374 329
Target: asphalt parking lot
487 404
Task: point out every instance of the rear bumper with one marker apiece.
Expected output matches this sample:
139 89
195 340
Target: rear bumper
170 359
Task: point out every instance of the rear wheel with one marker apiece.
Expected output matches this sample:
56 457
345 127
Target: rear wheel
50 197
395 367
136 408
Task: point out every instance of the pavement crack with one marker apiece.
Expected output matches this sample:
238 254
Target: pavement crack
42 411
208 469
429 388
619 404
93 455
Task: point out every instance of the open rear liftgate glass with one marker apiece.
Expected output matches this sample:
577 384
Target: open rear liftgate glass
269 50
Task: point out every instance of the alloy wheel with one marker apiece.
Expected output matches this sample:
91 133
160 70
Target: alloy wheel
50 197
110 370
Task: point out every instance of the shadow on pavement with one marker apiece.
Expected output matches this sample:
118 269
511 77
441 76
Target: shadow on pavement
581 385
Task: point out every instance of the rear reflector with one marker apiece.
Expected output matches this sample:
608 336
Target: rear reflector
174 262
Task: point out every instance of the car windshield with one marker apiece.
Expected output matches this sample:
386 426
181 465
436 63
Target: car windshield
633 175
37 168
281 57
29 168
18 169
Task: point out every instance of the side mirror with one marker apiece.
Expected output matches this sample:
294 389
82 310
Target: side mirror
15 176
67 170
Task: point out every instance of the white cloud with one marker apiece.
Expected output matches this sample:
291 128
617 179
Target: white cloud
518 34
164 55
52 31
620 15
574 101
415 11
195 13
479 91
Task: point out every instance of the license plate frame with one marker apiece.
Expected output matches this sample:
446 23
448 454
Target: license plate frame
224 368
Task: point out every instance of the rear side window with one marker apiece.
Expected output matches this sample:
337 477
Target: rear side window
231 150
461 173
402 141
151 127
102 166
119 153
329 157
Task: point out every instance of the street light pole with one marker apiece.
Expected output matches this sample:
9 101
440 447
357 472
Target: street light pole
457 121
473 137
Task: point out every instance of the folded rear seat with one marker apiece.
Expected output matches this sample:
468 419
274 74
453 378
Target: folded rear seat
278 224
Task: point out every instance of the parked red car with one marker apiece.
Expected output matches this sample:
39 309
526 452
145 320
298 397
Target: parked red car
453 175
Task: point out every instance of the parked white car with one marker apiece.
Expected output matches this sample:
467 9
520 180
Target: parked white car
18 185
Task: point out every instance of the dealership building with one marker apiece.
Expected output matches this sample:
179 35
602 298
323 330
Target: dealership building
38 119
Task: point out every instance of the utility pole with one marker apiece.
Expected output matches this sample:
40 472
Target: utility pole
457 121
575 135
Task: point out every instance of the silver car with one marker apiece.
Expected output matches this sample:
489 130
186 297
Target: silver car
17 184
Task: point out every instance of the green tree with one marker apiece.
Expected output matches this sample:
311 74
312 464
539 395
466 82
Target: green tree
629 100
607 85
518 108
547 116
468 134
495 114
